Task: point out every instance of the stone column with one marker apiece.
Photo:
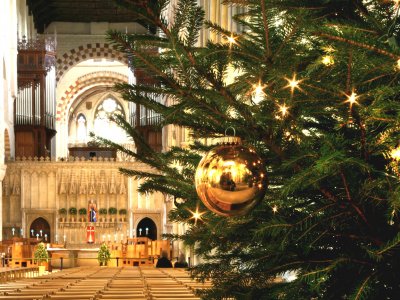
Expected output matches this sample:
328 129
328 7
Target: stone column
130 207
2 174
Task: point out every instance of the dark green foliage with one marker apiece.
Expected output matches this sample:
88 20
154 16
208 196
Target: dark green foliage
335 187
62 211
112 210
122 211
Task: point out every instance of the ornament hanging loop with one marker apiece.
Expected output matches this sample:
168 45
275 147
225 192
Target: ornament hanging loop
231 139
233 129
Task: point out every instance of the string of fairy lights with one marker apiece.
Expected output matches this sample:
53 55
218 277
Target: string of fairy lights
257 91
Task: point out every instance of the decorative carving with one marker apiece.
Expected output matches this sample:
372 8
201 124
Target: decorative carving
45 47
122 187
102 184
113 186
83 185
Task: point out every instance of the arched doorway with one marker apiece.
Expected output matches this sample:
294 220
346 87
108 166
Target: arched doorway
147 228
40 228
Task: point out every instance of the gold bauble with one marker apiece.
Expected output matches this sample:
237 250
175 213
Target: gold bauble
231 179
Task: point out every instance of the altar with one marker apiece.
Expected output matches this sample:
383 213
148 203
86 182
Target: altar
70 258
135 252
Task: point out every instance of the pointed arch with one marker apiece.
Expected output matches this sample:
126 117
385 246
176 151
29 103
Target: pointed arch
105 78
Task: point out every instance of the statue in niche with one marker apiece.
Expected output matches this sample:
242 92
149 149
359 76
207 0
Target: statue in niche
92 211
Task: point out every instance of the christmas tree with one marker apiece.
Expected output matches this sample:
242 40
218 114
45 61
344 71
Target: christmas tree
313 88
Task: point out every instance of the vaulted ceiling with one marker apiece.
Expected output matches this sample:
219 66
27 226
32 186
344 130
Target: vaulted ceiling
46 11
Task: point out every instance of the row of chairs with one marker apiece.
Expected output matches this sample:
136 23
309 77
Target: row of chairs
9 274
110 283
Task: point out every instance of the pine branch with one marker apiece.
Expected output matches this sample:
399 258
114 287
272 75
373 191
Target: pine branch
358 44
362 291
265 22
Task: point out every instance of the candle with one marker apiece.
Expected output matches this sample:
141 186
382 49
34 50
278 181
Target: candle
122 237
41 232
140 231
65 238
32 231
13 231
37 236
109 237
45 237
56 238
147 230
104 237
21 232
115 237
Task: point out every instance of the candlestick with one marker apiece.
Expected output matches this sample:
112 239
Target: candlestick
45 237
147 230
13 231
56 238
37 236
65 238
41 232
32 232
21 231
140 231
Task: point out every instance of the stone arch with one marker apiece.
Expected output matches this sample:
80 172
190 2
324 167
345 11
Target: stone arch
95 78
82 53
146 222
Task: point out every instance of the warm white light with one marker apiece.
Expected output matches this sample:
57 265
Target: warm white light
283 109
293 83
231 39
398 63
327 60
352 99
258 89
275 209
395 153
396 3
196 215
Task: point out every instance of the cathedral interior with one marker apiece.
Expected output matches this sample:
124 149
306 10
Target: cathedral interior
58 71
